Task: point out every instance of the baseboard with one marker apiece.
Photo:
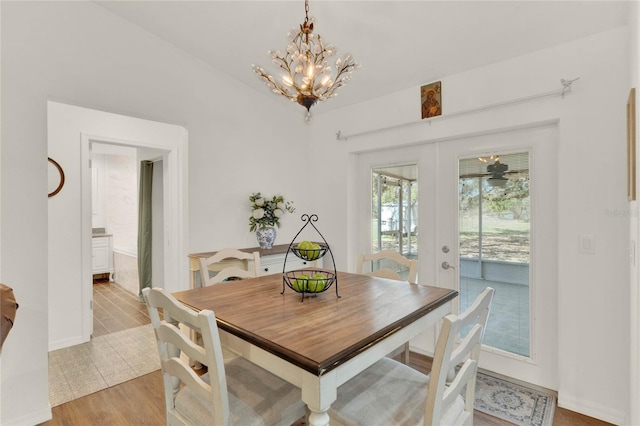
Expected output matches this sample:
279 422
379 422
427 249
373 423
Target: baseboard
420 351
65 343
30 419
537 388
592 409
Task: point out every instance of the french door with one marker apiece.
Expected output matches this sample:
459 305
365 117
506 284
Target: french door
486 211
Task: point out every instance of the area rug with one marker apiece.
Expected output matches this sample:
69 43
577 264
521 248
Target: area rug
103 362
514 403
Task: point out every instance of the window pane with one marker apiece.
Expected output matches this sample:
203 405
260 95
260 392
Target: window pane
394 212
495 244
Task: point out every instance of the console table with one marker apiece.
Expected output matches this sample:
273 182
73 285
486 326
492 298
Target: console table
271 262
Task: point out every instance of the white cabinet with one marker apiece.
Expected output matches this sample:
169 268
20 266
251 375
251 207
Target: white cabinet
103 255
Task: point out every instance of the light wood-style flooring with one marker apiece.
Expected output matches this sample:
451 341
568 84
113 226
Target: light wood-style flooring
115 309
141 401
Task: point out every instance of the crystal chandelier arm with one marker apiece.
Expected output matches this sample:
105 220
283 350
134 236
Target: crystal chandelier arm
342 77
271 83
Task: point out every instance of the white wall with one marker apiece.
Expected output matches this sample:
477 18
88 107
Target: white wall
98 191
122 201
592 289
79 53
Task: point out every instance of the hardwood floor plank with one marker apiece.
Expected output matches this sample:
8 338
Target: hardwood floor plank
136 402
116 309
99 329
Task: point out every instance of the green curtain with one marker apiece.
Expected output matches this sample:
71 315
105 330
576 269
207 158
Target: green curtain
144 225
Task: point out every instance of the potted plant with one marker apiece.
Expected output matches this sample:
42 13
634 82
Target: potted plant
265 217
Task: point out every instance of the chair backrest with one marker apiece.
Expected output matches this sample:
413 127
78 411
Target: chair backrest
447 357
172 342
385 272
233 271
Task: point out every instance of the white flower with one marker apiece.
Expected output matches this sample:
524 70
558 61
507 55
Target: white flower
260 202
281 206
278 213
258 213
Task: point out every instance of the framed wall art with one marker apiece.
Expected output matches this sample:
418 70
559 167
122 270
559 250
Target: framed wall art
431 99
631 145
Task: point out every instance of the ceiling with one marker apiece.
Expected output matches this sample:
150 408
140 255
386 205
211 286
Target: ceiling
400 44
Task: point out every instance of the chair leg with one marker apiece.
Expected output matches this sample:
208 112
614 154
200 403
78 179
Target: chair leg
405 354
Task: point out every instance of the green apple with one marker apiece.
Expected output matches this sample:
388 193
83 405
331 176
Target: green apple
300 284
317 283
312 284
302 248
313 251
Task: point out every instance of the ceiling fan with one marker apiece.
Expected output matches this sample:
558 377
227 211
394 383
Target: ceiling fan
497 170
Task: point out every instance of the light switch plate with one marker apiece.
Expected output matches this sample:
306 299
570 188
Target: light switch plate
586 244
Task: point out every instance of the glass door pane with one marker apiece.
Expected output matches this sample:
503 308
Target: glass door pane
394 212
494 235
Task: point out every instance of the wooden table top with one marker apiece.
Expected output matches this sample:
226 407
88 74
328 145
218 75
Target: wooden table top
321 332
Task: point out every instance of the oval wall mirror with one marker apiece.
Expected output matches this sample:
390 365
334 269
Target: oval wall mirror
56 177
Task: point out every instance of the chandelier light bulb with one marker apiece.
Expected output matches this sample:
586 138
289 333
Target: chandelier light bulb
308 76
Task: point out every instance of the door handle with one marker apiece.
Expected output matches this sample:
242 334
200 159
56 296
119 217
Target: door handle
445 265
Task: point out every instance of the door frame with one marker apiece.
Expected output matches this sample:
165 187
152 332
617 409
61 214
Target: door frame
174 193
427 155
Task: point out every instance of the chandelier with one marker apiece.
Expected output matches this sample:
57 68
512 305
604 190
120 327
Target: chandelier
308 77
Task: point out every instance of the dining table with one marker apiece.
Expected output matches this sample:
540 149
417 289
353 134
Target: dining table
319 342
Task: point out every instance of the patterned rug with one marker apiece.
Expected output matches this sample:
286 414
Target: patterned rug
514 403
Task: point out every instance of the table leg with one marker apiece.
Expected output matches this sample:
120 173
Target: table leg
319 393
318 418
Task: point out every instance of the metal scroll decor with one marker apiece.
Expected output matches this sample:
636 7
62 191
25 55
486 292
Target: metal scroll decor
309 281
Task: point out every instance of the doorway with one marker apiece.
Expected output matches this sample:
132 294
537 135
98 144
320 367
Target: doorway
115 195
71 130
456 253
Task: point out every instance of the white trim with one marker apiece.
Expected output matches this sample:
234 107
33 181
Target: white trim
591 409
36 418
175 204
126 252
66 342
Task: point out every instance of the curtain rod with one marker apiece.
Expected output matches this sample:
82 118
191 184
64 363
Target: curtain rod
566 88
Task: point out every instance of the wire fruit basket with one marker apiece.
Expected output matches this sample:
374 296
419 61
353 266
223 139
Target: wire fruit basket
309 281
310 252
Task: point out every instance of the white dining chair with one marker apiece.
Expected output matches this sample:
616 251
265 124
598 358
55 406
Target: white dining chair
391 393
232 392
225 263
387 258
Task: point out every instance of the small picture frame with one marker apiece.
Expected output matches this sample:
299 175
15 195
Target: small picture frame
431 99
631 145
